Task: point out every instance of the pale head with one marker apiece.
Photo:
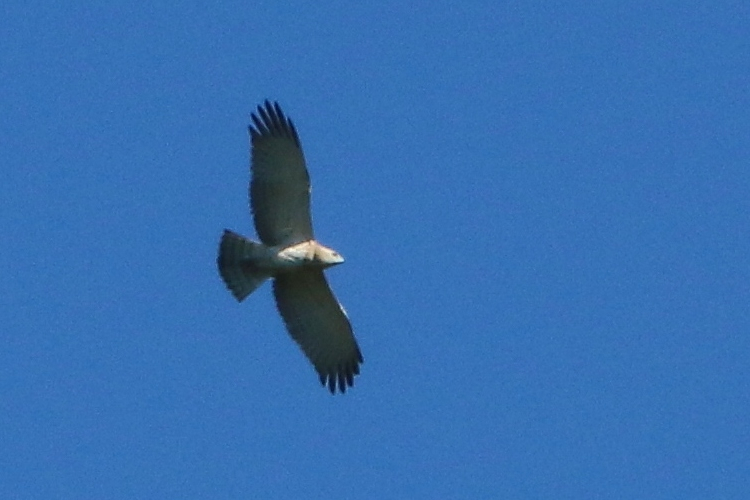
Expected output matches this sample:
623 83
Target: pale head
326 257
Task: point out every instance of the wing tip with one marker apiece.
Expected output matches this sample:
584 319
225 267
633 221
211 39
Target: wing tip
341 377
269 120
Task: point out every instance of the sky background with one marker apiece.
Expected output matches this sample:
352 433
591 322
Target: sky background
545 211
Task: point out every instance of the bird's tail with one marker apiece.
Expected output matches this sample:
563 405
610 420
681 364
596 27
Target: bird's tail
237 264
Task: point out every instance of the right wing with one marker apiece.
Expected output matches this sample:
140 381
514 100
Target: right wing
280 185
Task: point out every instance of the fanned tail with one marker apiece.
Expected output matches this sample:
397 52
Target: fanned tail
237 264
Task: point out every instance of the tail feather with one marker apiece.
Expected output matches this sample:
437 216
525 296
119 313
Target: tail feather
236 264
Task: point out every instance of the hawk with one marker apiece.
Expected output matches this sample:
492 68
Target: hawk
288 252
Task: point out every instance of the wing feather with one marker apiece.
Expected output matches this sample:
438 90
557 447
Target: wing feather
317 322
280 185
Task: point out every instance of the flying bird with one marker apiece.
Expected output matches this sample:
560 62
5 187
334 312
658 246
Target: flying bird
288 252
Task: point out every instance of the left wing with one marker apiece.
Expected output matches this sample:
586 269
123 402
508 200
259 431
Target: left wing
319 325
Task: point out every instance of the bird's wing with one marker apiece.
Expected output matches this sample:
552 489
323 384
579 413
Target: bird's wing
280 185
319 325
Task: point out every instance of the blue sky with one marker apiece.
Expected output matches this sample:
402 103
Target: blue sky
545 215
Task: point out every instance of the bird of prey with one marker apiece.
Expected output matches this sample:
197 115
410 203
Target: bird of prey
288 252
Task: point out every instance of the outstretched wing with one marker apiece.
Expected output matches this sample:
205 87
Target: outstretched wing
319 325
280 185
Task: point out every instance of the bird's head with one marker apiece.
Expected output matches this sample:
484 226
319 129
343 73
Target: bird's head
327 257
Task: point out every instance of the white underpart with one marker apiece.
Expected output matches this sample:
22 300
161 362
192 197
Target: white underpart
294 256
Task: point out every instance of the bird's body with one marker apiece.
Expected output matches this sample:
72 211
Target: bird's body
288 253
305 254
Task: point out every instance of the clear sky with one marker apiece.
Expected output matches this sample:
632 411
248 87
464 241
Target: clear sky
545 211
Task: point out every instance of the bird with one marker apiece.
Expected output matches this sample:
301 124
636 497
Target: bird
288 253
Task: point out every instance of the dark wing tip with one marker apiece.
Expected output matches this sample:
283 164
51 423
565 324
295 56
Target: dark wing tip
269 121
341 376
